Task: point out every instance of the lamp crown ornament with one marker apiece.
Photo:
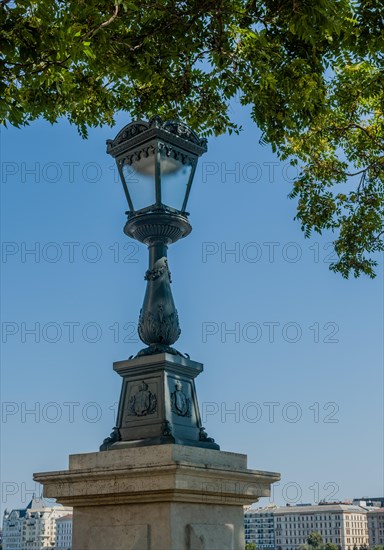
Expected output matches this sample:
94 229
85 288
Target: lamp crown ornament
140 131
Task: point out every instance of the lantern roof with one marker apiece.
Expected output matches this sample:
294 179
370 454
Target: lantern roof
173 132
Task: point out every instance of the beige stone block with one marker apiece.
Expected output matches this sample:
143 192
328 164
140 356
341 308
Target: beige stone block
201 536
161 497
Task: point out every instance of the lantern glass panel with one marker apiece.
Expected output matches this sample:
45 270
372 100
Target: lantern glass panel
140 179
174 180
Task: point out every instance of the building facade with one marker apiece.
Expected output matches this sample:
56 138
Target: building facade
341 524
376 527
259 527
64 533
12 529
32 528
287 528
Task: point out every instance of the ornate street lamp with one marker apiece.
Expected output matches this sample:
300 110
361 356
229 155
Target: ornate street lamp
156 161
167 493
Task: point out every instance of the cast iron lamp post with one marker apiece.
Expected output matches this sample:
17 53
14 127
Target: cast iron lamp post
171 495
158 403
156 162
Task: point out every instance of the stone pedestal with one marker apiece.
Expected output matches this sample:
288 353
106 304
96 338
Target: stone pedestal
159 482
158 403
158 497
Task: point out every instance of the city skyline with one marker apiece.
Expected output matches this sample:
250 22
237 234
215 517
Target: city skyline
348 525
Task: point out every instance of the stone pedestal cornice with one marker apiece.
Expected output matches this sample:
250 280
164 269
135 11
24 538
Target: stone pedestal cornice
165 473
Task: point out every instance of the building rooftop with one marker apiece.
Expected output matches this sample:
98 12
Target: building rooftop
37 505
21 512
66 517
268 508
320 508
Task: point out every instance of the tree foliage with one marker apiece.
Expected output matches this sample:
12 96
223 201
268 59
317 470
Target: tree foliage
312 72
315 540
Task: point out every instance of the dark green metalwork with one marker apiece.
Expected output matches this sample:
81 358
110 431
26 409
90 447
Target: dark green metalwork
140 139
158 224
158 322
158 402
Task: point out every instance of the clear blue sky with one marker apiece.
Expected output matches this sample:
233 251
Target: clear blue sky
301 371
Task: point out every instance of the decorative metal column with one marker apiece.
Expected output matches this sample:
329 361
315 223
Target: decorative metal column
158 403
158 321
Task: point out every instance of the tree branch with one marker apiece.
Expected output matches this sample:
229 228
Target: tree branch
359 127
379 162
91 33
377 237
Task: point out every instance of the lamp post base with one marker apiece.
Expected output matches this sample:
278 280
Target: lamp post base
167 497
158 404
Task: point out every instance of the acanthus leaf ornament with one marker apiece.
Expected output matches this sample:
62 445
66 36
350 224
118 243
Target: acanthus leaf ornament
158 320
203 436
153 274
111 439
158 327
167 428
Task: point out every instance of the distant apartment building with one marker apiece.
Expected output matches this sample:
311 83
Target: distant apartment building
259 527
64 533
12 529
376 527
33 527
342 524
286 528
